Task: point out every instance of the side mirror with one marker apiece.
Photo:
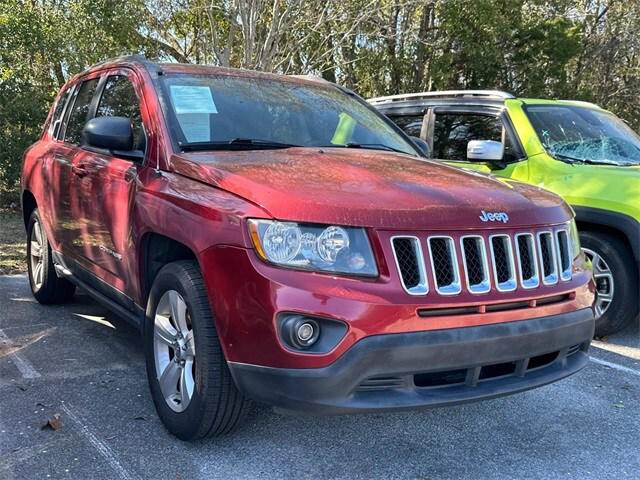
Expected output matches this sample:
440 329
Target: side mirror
114 134
485 150
422 146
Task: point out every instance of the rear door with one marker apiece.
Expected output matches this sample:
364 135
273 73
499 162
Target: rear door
71 228
56 192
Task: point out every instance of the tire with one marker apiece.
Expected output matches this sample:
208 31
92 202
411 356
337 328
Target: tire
213 405
46 286
620 280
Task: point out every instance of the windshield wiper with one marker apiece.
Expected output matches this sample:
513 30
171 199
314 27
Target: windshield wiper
586 161
235 144
368 146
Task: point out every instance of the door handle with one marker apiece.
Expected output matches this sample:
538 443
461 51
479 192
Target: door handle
79 170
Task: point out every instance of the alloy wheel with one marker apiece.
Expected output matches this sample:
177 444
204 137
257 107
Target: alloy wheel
36 257
604 282
174 351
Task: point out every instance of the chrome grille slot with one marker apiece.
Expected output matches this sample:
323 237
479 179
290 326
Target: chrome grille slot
474 257
548 258
564 257
410 262
527 260
503 263
444 265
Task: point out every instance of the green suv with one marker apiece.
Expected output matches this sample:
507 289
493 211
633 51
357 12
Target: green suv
575 149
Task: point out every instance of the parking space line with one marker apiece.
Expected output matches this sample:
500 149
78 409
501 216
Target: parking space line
615 366
26 369
99 445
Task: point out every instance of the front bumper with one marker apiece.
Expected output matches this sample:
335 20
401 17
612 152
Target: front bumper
430 368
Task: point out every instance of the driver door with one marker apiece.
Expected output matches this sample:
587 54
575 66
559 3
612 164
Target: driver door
111 182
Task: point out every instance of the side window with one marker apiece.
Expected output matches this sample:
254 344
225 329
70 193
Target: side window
56 119
410 124
119 99
78 116
452 132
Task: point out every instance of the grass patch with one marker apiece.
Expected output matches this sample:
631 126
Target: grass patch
13 250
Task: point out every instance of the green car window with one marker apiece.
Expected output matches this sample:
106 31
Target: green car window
581 134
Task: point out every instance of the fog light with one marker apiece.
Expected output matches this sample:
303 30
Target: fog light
305 332
300 332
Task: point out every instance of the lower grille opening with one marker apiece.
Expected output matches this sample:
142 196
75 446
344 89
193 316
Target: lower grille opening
439 379
574 349
381 383
440 312
497 370
542 360
501 307
554 299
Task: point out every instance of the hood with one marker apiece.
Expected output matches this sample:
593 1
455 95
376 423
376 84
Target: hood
370 188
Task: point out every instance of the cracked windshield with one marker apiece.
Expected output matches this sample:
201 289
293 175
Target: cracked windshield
583 135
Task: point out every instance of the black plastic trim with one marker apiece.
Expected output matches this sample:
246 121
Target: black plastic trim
100 291
625 224
334 389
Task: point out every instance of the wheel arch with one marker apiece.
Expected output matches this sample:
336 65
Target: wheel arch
29 204
156 251
622 226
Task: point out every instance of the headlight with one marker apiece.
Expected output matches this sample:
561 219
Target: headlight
322 248
575 239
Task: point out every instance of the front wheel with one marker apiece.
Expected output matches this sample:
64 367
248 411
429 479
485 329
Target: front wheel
616 279
190 382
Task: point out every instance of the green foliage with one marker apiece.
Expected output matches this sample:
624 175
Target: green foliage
587 50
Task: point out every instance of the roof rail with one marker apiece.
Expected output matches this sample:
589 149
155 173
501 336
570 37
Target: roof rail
497 94
310 77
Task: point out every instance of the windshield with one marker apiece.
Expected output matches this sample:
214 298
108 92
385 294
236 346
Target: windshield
233 112
584 135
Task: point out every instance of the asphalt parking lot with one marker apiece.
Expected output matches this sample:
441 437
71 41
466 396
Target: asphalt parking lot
83 363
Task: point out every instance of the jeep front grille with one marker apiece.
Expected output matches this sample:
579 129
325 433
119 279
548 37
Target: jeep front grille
410 261
564 254
527 259
548 254
444 265
503 261
474 258
504 269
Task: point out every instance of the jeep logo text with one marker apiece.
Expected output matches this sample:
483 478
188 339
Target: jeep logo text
494 217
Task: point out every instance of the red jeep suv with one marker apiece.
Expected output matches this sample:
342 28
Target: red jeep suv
277 239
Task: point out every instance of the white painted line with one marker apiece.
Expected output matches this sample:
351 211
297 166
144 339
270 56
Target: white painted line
100 446
616 366
22 364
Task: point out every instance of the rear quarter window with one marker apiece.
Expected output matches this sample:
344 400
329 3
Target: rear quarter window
56 119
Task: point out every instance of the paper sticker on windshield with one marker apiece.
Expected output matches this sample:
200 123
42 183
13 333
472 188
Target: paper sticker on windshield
192 99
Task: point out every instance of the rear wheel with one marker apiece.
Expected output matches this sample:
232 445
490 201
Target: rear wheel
190 382
616 278
46 286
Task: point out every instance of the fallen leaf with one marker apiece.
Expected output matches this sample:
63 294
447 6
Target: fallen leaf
618 405
54 423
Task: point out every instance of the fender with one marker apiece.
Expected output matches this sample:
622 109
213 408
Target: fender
625 224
